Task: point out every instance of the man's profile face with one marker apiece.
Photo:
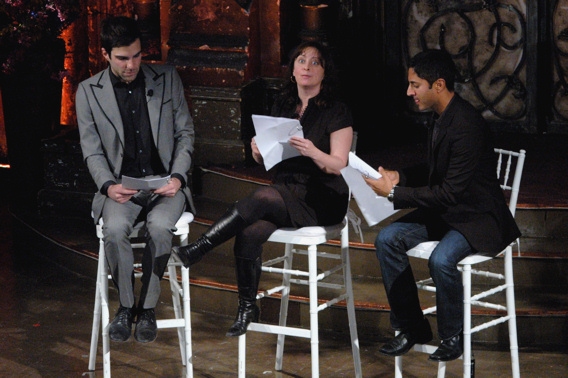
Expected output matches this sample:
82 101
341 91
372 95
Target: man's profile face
125 61
419 89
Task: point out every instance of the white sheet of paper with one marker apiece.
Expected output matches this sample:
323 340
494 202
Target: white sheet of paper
364 168
145 183
272 134
374 208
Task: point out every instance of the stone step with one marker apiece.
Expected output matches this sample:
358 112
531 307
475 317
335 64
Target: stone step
544 230
214 286
65 232
540 270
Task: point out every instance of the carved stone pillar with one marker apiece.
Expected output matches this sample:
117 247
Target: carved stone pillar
147 12
214 46
313 21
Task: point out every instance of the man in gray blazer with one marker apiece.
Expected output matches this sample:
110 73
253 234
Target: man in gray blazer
134 121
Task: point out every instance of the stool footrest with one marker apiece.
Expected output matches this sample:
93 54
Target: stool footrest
170 323
280 330
425 348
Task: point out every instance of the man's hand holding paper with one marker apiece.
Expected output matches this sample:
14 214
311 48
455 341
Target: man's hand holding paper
384 184
364 168
362 179
372 177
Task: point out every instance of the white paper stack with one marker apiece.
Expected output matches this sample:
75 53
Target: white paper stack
272 134
144 183
374 208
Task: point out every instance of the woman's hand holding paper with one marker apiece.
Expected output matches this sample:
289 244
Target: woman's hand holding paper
256 155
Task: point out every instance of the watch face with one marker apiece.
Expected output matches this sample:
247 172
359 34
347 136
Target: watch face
390 197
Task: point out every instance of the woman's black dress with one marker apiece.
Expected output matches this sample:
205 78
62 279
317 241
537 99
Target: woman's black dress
313 197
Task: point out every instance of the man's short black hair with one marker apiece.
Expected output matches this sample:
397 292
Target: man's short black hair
118 31
435 64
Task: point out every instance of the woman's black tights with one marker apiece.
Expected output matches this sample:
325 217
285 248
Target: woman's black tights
265 212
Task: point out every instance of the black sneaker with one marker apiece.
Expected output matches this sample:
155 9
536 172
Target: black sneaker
146 328
121 326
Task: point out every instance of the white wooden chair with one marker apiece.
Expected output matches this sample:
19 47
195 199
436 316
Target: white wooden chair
180 298
310 237
507 161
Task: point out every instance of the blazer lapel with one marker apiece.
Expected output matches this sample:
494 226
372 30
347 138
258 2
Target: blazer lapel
104 96
435 143
154 98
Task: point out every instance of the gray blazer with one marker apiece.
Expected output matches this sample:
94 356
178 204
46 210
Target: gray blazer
102 134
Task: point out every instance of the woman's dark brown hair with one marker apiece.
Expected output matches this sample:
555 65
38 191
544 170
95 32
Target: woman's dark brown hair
328 86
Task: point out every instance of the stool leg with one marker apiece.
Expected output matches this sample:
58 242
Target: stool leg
441 369
96 315
285 298
187 354
466 278
314 326
101 315
242 355
350 304
172 273
105 317
397 363
511 312
187 320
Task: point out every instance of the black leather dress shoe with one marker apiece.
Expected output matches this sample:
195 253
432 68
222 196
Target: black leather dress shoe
450 349
146 327
406 339
121 326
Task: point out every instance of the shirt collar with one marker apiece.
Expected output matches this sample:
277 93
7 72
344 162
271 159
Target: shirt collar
117 83
439 119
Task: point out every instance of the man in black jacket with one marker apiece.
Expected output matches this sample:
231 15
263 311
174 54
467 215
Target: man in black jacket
459 203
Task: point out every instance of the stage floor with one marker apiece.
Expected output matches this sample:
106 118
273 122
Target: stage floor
46 311
46 319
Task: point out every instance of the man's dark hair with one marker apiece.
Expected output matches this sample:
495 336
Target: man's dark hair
118 31
432 65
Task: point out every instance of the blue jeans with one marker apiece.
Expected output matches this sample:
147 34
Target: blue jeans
391 245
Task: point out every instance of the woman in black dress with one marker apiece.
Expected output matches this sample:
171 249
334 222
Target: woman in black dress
308 190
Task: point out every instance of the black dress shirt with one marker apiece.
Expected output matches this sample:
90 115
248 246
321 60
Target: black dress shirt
140 154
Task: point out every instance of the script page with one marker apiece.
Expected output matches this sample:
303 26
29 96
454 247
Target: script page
146 183
374 208
272 135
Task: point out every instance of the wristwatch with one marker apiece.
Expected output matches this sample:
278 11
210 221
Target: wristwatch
390 196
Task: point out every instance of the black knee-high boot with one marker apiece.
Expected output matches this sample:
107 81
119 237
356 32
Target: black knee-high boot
248 276
222 230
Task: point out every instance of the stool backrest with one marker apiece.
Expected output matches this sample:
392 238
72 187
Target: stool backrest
508 161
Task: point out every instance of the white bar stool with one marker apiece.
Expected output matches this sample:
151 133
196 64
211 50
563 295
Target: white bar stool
180 299
310 237
505 280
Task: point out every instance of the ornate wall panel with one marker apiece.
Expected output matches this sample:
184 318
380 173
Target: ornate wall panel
488 41
559 42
